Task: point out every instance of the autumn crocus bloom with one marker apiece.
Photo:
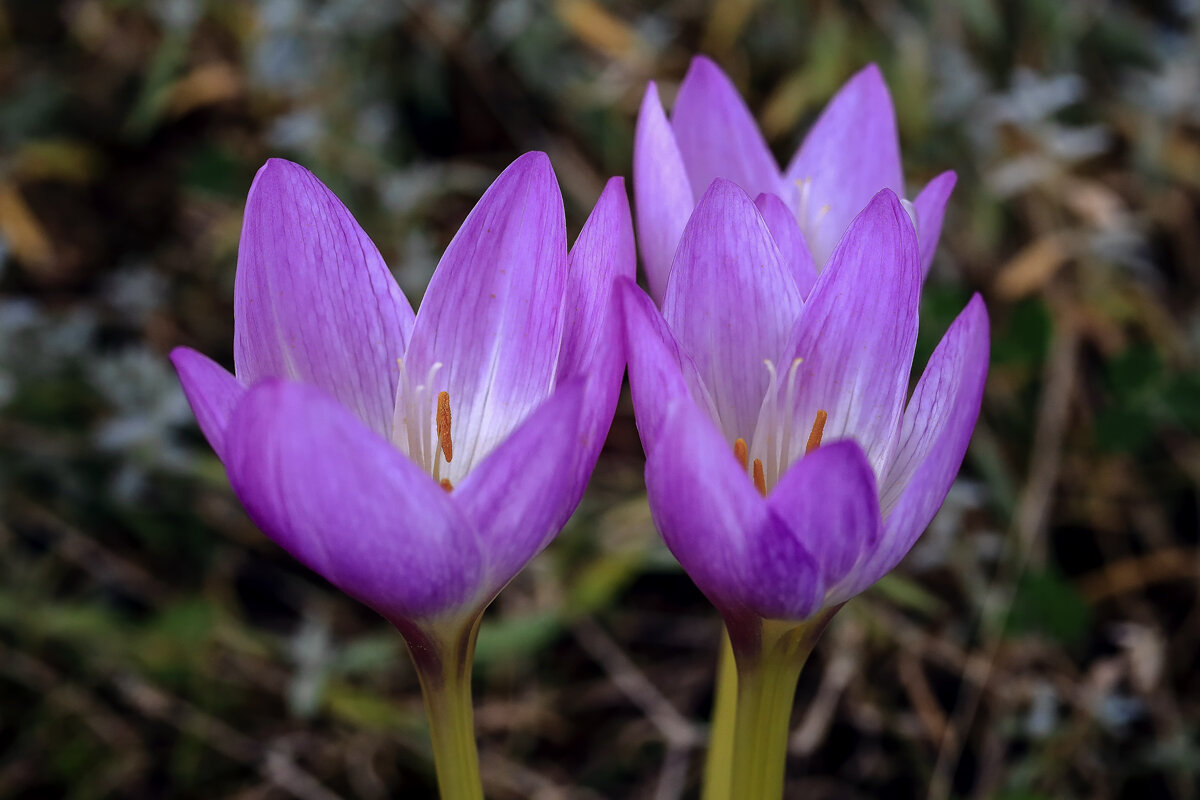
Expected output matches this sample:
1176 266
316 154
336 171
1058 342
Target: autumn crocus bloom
851 152
785 469
418 462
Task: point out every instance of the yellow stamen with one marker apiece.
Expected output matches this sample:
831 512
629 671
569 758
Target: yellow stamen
760 478
443 429
741 452
447 485
818 430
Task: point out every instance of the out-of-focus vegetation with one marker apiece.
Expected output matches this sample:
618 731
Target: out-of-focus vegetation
1040 642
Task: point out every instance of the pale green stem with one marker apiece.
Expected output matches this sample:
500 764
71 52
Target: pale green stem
443 659
718 768
769 656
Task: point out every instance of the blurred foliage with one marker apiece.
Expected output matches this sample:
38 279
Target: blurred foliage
1039 642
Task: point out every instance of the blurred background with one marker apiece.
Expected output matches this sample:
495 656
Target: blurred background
1039 643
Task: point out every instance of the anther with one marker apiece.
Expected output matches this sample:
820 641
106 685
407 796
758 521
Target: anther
818 430
443 428
741 453
760 478
447 485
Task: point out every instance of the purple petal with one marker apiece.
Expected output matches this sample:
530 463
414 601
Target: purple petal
931 209
593 339
522 494
492 315
348 505
851 153
661 190
783 579
858 332
937 428
829 501
790 240
717 135
703 503
313 300
731 301
660 372
210 390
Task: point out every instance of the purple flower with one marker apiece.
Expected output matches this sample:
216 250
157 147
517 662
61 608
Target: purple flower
849 154
417 461
784 468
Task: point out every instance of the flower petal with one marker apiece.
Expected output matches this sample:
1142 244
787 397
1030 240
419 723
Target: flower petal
731 301
850 153
703 503
931 209
782 579
828 500
313 299
718 136
661 190
348 505
937 428
210 390
858 333
660 372
492 315
522 494
790 240
593 339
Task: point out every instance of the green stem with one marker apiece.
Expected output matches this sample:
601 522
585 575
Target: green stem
769 656
718 768
443 659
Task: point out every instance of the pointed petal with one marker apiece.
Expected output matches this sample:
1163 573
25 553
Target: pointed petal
731 302
937 428
492 315
931 209
210 390
313 300
603 253
783 579
828 500
348 505
661 191
741 554
703 503
790 240
851 152
858 333
660 372
718 136
522 494
593 337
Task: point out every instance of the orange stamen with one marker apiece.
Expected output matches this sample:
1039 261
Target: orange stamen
447 485
818 430
760 478
443 427
741 453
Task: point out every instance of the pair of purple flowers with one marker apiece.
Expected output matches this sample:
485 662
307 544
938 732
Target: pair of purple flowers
419 461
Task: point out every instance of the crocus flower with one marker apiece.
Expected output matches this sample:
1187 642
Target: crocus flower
851 152
416 461
784 468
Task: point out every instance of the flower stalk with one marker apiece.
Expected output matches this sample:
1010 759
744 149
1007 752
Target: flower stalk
718 767
769 655
443 662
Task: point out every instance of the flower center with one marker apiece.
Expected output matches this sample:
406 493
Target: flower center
443 435
771 452
804 213
758 472
419 427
